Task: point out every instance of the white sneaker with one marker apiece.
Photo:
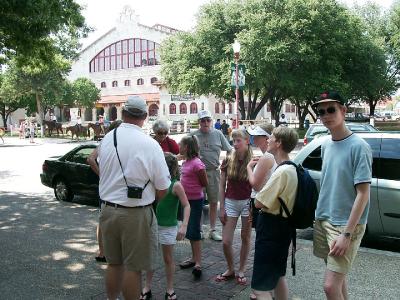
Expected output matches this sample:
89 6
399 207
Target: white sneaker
215 236
202 235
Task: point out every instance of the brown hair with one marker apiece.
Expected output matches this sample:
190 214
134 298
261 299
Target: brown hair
192 144
172 163
287 136
235 170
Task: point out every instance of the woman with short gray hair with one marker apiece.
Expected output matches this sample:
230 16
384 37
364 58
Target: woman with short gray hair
161 130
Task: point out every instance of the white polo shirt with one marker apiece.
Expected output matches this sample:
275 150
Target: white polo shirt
142 159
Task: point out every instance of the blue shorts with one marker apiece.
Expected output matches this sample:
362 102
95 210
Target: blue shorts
194 226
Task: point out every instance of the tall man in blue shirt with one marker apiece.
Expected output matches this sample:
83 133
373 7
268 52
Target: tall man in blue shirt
343 203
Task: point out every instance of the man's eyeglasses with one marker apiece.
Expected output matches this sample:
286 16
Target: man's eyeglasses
162 132
330 110
205 120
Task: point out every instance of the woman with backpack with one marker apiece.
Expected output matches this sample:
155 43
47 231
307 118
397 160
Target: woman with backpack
273 231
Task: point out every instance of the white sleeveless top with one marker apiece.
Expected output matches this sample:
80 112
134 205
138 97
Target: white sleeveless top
267 176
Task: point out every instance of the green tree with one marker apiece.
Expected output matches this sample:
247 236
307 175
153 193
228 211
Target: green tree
379 73
292 49
30 26
85 92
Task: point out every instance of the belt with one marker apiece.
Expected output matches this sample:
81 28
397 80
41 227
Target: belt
122 206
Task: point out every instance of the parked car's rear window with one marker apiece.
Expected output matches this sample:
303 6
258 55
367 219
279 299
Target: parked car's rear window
390 159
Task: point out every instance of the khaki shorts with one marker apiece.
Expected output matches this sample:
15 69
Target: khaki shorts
324 234
212 189
129 237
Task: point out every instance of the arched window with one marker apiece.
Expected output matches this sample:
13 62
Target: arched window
153 79
127 83
230 108
216 107
114 83
182 109
223 108
130 53
140 81
193 108
103 84
172 109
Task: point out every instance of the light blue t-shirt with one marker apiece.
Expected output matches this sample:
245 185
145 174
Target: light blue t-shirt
345 164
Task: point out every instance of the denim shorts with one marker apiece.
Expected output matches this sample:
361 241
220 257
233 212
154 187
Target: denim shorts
237 208
194 226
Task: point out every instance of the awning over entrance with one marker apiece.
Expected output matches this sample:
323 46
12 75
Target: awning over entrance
121 99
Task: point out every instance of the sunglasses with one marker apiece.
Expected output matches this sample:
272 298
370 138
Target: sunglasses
330 110
162 132
205 120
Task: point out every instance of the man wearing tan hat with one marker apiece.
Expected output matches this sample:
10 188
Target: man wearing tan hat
211 143
133 173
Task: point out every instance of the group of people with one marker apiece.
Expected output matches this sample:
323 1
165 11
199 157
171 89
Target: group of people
133 178
27 126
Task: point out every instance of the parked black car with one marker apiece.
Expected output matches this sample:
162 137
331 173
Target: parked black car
71 175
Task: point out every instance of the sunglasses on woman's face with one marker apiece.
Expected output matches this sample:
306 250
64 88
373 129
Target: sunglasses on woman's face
162 132
205 120
330 110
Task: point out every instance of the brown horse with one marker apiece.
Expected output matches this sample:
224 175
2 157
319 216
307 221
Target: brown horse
78 131
51 125
98 131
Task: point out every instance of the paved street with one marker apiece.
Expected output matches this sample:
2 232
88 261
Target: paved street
47 247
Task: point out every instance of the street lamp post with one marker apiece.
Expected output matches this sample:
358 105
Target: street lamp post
236 50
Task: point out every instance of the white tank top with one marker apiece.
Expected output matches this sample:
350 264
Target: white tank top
267 176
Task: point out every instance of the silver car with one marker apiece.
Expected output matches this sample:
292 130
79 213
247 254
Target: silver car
384 213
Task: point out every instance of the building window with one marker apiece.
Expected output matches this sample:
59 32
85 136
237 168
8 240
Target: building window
172 109
223 108
230 108
103 84
153 80
293 108
268 108
182 109
127 83
124 54
193 108
140 81
287 108
216 107
114 83
202 105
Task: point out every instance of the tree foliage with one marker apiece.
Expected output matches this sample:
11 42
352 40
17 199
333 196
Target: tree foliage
292 49
28 27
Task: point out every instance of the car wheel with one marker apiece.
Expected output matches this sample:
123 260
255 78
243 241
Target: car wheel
62 191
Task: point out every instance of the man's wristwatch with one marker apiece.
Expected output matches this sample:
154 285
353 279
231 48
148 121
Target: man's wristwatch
347 234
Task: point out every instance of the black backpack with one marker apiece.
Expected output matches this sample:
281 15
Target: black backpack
303 213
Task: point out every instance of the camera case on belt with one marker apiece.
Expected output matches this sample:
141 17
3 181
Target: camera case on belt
135 192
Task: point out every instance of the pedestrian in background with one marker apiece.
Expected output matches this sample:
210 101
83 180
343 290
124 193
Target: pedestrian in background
168 232
225 130
273 231
217 124
131 178
193 179
211 143
32 128
161 130
340 217
235 190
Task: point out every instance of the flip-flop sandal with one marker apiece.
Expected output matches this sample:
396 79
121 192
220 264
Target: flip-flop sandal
146 296
187 264
221 277
100 259
170 296
242 280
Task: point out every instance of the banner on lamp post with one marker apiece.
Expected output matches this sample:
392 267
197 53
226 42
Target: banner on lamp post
241 75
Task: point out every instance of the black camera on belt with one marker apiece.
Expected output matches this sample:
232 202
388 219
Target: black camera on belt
135 192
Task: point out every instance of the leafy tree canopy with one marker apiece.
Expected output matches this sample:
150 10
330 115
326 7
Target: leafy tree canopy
26 26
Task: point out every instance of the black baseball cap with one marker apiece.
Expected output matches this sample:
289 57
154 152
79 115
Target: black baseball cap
329 96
